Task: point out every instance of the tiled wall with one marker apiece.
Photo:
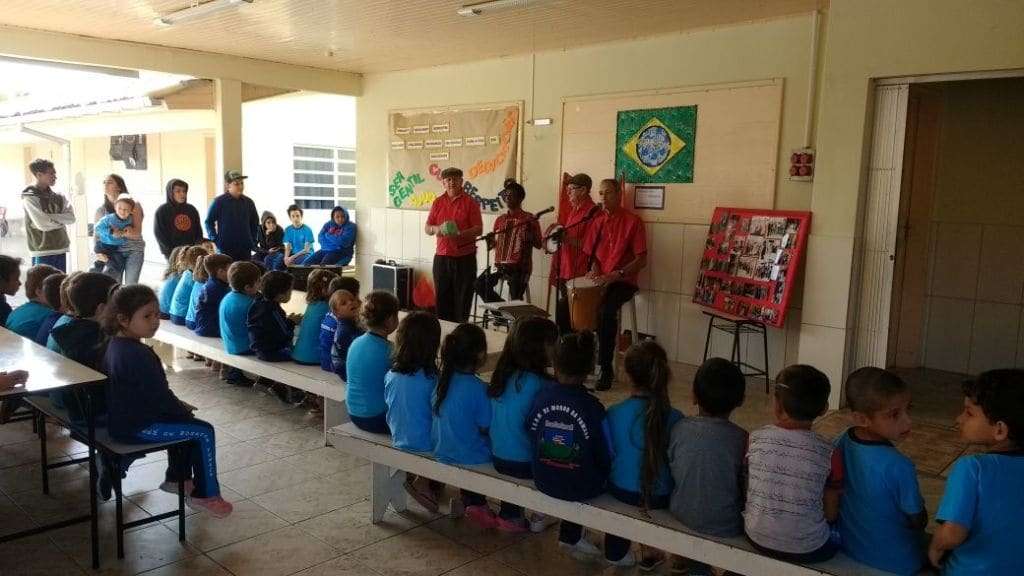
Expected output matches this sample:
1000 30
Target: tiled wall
664 304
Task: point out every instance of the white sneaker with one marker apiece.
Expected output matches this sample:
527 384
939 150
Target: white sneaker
581 549
456 509
539 522
627 561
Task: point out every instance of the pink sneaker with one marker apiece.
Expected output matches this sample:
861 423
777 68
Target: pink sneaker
512 526
482 516
216 506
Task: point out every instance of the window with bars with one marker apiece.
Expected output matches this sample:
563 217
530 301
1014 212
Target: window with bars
324 177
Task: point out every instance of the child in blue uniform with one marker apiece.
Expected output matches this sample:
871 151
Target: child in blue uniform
329 325
26 319
569 434
298 238
408 388
51 294
142 407
234 313
979 515
521 373
368 361
307 345
10 282
881 514
211 294
183 292
462 412
199 278
640 428
172 275
270 331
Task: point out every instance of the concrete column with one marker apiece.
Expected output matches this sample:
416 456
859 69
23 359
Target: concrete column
228 137
81 243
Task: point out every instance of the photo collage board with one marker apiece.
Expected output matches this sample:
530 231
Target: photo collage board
750 262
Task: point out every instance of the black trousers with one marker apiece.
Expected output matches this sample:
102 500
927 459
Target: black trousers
516 278
615 295
453 282
563 316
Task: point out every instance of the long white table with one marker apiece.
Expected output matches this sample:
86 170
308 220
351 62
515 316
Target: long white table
49 371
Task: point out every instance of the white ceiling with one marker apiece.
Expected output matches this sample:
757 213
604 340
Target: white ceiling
382 35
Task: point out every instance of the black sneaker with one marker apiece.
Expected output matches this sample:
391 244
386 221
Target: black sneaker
104 486
605 383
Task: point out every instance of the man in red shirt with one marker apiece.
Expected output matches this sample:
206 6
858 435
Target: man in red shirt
617 246
455 219
572 262
516 234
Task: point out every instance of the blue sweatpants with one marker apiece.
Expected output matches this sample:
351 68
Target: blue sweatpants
201 455
324 257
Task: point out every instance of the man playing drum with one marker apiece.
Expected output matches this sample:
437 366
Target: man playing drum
616 246
572 261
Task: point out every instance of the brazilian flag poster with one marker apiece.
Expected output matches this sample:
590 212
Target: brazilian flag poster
656 146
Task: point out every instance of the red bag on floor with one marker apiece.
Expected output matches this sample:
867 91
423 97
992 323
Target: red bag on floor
423 295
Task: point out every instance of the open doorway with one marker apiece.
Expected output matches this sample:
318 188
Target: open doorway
942 271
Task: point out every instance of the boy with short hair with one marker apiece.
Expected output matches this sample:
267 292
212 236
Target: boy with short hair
26 319
243 277
51 294
298 238
330 323
345 307
10 282
110 237
47 216
882 515
65 307
211 295
706 456
795 477
979 515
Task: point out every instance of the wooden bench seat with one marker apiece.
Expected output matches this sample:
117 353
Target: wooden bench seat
657 529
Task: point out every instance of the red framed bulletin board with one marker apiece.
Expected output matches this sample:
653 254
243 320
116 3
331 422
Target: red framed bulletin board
750 262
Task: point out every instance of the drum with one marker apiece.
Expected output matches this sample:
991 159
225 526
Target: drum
585 296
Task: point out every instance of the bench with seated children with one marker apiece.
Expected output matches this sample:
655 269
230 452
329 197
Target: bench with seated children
577 451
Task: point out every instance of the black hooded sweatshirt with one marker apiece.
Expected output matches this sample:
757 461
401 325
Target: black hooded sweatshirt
83 341
177 224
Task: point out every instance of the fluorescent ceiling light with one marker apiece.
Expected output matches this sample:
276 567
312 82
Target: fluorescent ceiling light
483 7
122 72
198 11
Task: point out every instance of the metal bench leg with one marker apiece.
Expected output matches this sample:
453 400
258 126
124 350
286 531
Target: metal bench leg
182 472
707 339
43 461
386 489
119 512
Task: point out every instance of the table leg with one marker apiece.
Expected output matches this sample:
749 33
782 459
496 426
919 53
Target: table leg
93 505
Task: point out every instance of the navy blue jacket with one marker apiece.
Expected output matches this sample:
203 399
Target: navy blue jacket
347 332
83 341
233 224
571 450
269 329
5 309
45 327
208 307
137 392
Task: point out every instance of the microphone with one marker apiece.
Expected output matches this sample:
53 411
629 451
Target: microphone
547 210
594 210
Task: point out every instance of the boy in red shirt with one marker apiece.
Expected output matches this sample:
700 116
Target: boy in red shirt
456 221
617 245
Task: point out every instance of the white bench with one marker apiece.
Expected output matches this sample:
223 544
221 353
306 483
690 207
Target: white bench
658 529
312 379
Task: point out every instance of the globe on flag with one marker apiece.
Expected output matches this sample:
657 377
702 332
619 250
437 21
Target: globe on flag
656 146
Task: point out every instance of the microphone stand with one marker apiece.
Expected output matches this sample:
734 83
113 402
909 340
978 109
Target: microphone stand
489 244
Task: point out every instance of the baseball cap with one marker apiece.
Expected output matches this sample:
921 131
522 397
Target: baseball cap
232 175
581 180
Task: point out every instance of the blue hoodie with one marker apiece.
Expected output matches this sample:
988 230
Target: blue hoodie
338 238
208 306
233 224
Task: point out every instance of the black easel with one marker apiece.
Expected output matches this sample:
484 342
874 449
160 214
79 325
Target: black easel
736 327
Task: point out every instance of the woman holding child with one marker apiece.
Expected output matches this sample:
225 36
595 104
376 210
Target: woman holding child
133 250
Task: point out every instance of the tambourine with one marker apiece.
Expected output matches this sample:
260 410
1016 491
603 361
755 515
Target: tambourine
553 238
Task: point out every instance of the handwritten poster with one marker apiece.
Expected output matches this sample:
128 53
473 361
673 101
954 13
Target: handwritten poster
483 143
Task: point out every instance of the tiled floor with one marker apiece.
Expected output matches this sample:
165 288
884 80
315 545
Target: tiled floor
303 509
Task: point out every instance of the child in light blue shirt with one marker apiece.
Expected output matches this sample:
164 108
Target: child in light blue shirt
183 292
199 278
298 238
462 412
368 361
307 345
979 515
881 514
172 275
234 308
521 372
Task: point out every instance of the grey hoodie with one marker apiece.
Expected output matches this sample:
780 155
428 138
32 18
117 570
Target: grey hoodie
46 216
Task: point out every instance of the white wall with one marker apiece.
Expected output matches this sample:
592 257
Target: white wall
271 126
